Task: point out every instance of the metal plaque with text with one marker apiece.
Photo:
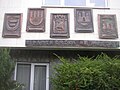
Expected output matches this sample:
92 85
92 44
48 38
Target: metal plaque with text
71 43
12 25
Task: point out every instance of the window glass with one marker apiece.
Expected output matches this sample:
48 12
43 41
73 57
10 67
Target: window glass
75 2
52 2
93 3
40 77
23 75
100 3
32 76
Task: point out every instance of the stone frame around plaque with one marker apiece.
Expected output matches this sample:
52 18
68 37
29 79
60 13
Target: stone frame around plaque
36 20
59 25
107 26
83 19
12 25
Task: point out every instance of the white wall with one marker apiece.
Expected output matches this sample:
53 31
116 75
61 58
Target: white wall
114 4
21 6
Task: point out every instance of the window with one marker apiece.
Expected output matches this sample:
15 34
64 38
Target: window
88 3
52 2
34 76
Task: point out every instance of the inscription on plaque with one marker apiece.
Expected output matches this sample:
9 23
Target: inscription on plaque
59 26
36 20
107 26
83 21
12 25
71 43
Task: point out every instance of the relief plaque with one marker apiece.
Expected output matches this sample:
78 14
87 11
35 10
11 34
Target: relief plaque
107 26
36 20
12 25
59 26
83 21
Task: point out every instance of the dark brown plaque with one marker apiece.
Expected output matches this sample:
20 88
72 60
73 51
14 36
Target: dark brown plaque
107 26
83 21
36 20
12 25
59 26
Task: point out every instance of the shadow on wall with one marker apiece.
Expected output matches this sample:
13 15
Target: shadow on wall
65 53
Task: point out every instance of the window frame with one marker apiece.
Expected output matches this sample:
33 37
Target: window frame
63 5
32 73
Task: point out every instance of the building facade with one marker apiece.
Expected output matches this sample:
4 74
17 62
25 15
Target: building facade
36 30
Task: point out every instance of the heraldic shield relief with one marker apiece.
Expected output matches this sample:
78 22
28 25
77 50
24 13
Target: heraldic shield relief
107 26
59 26
83 21
12 25
36 20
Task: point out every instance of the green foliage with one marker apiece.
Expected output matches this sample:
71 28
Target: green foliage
6 71
98 73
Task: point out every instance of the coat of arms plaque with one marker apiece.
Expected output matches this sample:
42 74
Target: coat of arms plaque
107 26
59 26
36 20
83 21
12 25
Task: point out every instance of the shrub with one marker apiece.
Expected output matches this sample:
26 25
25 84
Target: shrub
6 71
98 73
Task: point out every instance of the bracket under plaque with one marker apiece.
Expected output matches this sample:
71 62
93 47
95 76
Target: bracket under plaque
12 25
107 26
59 26
83 20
